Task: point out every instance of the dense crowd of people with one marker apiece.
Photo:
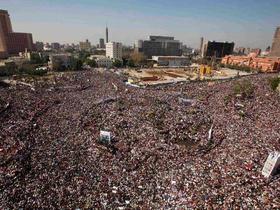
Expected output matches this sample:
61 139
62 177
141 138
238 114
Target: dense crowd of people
182 146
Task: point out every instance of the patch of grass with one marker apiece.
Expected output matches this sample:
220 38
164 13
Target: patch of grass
244 88
274 83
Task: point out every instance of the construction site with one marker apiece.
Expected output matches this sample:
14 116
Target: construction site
87 140
163 76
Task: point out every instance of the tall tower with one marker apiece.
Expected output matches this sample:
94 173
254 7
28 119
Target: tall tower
201 44
5 29
101 43
107 35
5 22
3 44
275 49
12 42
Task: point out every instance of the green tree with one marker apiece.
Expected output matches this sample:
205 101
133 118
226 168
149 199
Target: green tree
130 63
70 50
245 88
45 59
59 66
150 64
274 82
100 52
8 69
91 63
117 63
75 64
35 58
30 69
139 59
83 56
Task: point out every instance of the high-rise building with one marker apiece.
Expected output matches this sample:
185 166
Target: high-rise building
3 43
201 44
275 49
240 50
217 49
85 45
107 35
55 46
5 21
159 46
101 43
114 50
11 42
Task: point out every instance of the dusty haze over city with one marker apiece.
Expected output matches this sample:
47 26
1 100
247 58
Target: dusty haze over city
248 23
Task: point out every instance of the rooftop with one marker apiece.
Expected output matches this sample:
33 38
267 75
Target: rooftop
4 11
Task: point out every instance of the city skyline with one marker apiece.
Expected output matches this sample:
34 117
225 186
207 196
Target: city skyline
248 24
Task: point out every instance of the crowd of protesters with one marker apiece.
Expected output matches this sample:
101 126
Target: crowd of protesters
183 146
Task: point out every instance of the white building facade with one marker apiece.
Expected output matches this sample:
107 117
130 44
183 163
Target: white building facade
104 62
59 59
85 45
171 61
114 50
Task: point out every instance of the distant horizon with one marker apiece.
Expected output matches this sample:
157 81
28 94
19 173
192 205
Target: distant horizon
247 24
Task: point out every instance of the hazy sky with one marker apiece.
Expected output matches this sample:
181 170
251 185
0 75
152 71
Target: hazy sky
249 23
